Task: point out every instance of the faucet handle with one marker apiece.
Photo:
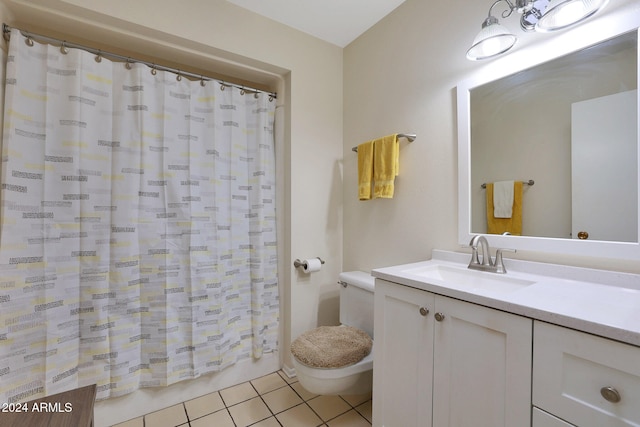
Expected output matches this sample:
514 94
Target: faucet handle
499 262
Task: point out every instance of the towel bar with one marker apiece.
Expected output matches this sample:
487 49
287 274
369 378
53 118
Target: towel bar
530 182
410 137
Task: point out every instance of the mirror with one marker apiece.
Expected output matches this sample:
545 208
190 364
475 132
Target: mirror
528 126
527 119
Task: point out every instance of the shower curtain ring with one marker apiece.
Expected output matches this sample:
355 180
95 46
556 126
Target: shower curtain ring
128 65
222 86
242 91
63 48
29 41
179 76
98 57
153 70
202 81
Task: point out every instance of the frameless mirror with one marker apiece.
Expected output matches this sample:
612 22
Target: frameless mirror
567 123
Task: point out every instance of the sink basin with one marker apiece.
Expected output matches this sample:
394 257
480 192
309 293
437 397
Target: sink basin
471 279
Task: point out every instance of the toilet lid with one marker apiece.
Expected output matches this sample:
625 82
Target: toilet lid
331 346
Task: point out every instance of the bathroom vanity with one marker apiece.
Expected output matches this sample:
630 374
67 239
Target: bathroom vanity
542 345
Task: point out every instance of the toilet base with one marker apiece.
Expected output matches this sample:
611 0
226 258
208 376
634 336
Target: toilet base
354 379
353 384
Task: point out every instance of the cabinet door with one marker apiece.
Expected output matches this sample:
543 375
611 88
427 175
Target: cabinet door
403 360
482 366
542 419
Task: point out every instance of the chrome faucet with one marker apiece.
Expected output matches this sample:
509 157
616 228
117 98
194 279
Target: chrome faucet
487 264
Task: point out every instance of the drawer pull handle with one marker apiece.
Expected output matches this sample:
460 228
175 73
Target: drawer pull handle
610 394
424 311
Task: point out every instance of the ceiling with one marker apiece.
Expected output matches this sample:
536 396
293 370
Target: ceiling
336 21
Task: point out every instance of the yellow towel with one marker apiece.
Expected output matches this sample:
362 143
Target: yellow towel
512 225
385 166
365 170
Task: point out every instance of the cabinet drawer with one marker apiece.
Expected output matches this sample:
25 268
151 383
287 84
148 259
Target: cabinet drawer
542 419
584 379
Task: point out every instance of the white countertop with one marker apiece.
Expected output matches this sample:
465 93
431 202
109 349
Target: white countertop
599 302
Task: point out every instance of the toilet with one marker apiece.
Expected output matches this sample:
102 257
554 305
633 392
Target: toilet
312 349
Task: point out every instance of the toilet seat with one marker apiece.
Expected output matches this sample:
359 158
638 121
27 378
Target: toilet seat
331 347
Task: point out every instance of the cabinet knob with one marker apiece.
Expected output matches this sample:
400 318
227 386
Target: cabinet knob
439 317
610 394
424 311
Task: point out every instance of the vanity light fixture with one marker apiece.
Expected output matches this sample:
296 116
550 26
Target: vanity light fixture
537 15
561 14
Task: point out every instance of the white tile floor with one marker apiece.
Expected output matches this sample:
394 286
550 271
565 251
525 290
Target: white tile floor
270 401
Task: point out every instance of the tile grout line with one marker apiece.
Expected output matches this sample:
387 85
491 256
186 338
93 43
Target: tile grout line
324 422
265 403
229 413
355 408
304 402
226 408
186 414
362 415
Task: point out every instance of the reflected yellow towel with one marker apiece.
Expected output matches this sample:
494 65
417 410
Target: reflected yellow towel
385 166
512 225
365 170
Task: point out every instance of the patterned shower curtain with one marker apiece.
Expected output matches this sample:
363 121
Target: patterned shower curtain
138 228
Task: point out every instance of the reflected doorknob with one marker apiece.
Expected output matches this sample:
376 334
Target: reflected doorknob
583 235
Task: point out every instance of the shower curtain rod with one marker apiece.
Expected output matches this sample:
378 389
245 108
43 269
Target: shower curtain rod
6 30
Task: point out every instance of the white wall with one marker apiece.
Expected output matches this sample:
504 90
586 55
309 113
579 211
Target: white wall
401 76
216 35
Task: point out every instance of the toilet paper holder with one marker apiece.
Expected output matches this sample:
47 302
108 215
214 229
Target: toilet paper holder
297 263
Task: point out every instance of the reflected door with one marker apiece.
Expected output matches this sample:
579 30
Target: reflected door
604 158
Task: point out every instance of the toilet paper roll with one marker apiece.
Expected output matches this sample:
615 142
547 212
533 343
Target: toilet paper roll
311 265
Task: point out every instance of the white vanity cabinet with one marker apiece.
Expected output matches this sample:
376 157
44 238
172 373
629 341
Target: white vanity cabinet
403 359
585 380
443 362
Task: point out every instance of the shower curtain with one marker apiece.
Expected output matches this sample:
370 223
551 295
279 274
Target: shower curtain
138 228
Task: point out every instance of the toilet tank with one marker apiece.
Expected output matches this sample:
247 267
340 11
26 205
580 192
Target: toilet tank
356 300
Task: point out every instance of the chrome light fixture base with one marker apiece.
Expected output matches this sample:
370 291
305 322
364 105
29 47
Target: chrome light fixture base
531 17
